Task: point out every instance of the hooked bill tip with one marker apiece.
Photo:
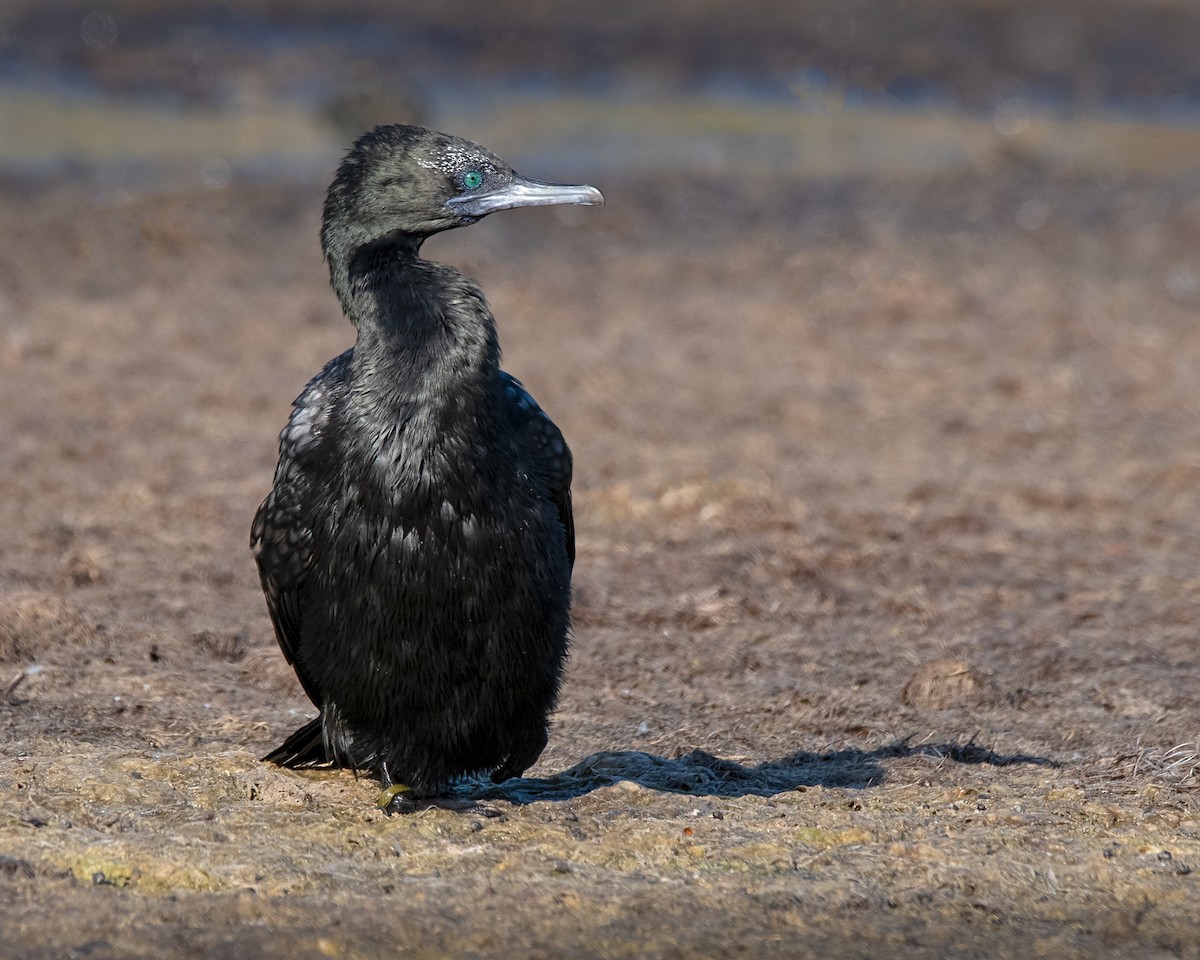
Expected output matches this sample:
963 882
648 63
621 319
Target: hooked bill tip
589 196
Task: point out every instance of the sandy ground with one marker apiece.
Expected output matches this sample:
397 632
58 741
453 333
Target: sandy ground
887 494
887 580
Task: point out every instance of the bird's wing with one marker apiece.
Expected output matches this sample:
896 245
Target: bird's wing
281 536
550 452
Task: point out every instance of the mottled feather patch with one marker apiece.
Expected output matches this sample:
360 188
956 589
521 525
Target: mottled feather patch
469 527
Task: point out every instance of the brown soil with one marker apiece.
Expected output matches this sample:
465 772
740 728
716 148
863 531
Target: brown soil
887 587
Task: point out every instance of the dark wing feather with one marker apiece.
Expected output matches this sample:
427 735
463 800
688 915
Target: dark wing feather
549 450
281 536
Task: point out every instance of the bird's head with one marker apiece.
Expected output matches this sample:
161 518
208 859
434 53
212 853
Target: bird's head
406 183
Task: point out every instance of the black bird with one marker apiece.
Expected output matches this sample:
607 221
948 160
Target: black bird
416 548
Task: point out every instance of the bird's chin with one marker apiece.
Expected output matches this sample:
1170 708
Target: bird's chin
522 192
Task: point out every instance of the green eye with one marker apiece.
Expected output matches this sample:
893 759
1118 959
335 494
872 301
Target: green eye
472 179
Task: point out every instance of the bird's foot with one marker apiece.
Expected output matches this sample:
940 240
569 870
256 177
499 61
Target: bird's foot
393 799
399 798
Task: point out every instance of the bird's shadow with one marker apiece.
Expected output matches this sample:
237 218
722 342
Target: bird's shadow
701 774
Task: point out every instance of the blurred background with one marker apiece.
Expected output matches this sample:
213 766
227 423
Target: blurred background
129 93
901 291
890 315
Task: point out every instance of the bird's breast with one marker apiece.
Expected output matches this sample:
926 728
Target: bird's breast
430 497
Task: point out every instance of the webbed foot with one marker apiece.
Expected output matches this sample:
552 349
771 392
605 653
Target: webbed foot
393 800
399 798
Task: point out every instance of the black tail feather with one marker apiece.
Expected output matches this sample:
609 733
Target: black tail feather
304 748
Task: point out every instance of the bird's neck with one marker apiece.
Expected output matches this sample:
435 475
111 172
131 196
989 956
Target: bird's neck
425 333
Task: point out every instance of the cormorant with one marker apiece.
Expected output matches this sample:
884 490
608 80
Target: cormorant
416 548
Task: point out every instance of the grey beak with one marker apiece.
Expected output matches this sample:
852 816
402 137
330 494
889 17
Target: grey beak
523 192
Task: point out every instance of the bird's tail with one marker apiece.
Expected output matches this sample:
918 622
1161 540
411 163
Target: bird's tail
304 748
